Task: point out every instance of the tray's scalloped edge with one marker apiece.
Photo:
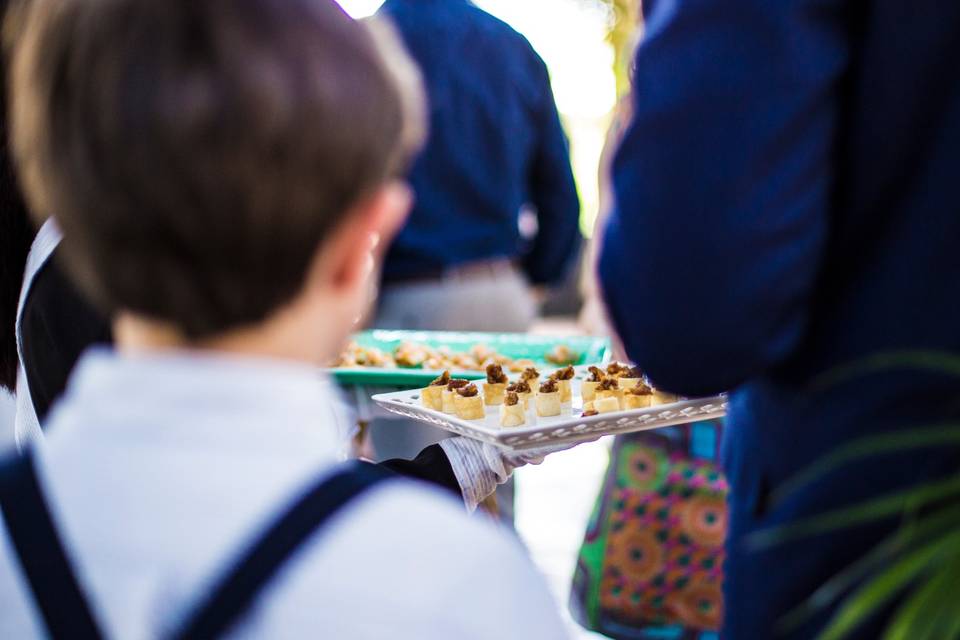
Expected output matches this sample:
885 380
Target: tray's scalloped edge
576 429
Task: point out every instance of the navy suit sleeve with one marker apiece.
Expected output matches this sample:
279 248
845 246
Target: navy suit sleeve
431 465
723 187
553 191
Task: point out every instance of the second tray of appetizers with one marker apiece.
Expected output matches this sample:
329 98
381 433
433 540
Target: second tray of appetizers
413 358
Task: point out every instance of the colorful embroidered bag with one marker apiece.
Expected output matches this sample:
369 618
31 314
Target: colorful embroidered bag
651 564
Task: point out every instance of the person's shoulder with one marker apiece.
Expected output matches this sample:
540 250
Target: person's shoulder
424 538
518 59
404 525
495 28
406 561
427 519
462 19
467 25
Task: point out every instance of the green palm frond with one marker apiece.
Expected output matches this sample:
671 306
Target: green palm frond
929 612
881 589
887 585
940 435
918 566
912 534
891 505
915 360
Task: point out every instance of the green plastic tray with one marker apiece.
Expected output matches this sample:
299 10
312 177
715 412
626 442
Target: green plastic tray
514 345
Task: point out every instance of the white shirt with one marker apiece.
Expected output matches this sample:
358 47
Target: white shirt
159 468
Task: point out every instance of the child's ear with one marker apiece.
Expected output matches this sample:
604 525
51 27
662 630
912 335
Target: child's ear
388 212
360 243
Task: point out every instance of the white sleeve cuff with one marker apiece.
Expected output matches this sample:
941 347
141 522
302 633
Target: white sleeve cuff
479 468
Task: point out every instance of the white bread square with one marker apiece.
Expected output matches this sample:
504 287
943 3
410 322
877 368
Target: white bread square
469 407
608 404
512 415
548 404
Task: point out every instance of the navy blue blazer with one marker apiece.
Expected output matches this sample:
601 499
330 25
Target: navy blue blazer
788 200
496 145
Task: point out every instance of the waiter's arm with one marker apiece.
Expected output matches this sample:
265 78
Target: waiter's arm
431 465
723 187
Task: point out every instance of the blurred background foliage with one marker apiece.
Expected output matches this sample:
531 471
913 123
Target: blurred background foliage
625 29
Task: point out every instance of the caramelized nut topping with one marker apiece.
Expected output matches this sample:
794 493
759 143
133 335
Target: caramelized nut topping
596 374
530 373
615 368
609 384
511 399
550 386
457 383
632 372
469 391
566 373
521 386
642 389
442 381
495 374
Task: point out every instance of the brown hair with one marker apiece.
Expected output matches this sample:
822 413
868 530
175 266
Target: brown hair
196 154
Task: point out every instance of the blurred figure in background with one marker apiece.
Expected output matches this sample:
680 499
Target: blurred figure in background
787 204
496 146
195 217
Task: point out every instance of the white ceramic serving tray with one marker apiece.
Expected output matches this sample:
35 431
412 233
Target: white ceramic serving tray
567 428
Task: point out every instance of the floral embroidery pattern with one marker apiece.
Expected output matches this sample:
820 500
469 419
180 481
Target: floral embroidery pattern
653 555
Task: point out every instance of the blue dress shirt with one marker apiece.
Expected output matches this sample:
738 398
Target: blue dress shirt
496 144
788 201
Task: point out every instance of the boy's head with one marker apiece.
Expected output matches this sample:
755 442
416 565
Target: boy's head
211 161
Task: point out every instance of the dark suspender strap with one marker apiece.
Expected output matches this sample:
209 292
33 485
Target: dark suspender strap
231 598
56 591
